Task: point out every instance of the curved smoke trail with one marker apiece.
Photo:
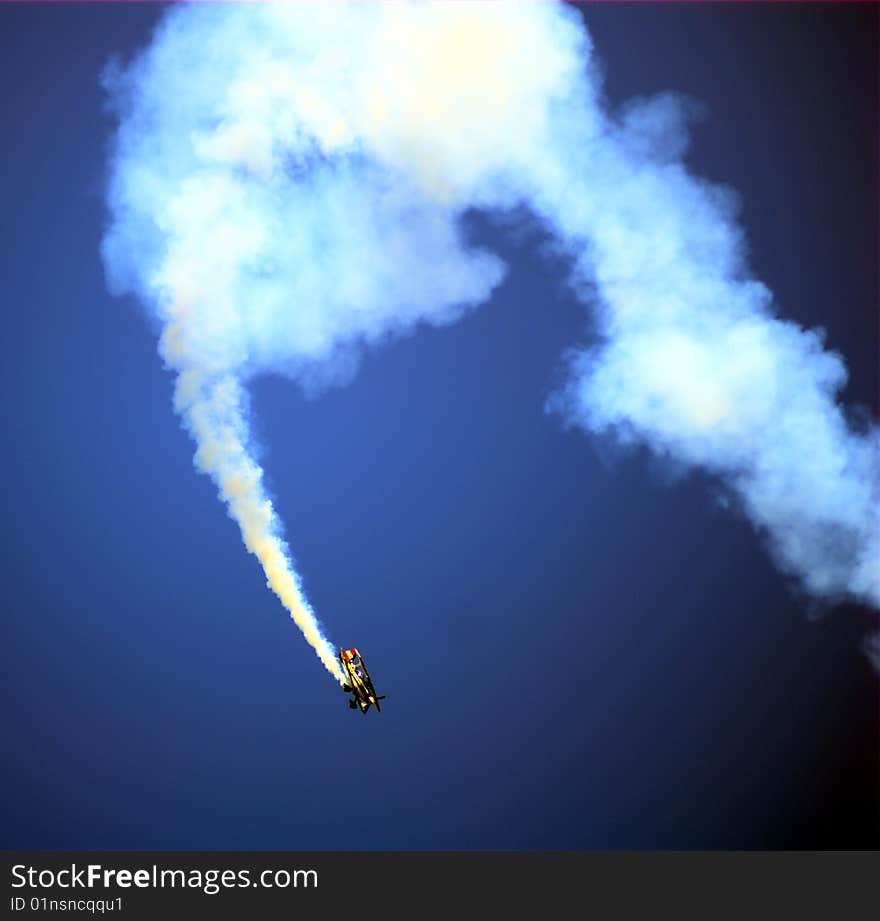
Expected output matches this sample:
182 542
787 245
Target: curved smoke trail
286 187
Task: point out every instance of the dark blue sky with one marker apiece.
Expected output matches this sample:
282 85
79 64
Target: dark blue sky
579 651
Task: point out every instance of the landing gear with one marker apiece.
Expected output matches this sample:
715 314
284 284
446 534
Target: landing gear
352 705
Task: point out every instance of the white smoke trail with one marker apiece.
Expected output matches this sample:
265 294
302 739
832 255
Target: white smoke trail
212 409
286 187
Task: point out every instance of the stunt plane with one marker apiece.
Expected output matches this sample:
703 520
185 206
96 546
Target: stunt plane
358 682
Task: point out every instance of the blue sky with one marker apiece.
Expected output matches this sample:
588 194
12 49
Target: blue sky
676 692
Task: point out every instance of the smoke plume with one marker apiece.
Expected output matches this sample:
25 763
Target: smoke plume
286 188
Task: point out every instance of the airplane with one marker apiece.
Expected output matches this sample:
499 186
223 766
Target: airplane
358 682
